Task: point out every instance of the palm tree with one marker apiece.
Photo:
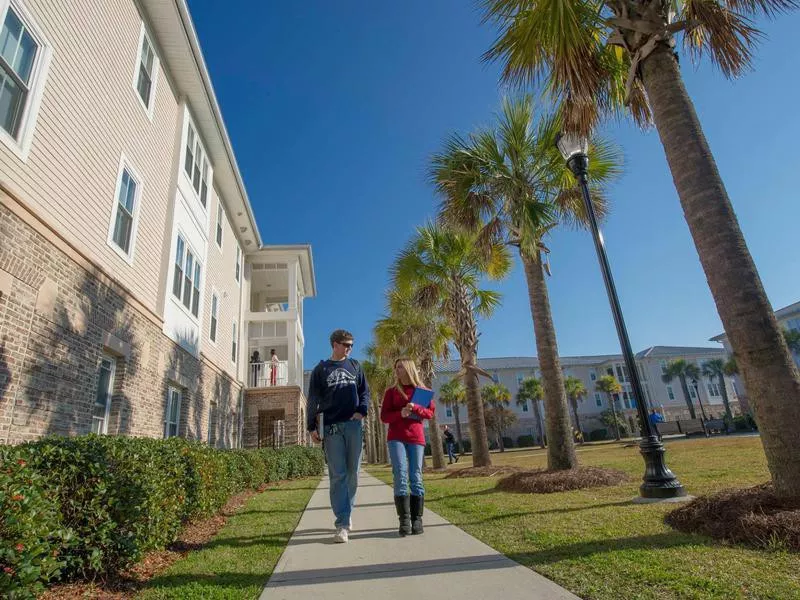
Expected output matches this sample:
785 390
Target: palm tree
715 368
576 391
497 397
452 394
611 387
682 370
531 390
444 268
421 334
379 377
510 183
594 57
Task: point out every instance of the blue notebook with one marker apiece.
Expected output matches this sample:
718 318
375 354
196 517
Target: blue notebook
423 398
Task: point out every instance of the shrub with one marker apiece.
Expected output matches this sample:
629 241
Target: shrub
744 423
526 441
598 435
508 442
31 533
466 446
83 507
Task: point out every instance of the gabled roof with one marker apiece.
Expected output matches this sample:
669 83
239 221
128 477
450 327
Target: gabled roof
668 351
781 313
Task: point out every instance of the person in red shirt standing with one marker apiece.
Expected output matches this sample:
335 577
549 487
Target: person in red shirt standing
406 441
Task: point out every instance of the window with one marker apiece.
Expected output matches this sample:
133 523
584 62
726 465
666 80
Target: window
663 365
449 413
214 317
186 278
520 377
238 272
146 72
691 391
525 406
669 393
122 232
625 400
195 165
23 66
598 399
713 390
174 399
220 214
102 400
234 342
495 378
592 375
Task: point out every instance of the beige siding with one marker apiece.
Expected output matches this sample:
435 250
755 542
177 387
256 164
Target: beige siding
90 115
220 268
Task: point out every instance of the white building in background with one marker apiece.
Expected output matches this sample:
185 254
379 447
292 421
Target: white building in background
788 318
666 397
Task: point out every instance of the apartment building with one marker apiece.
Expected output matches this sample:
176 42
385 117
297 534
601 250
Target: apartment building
668 398
134 282
789 319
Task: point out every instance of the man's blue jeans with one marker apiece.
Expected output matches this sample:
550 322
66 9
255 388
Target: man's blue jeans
343 443
407 466
451 454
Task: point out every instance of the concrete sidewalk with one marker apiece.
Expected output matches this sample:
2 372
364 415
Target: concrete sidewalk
443 562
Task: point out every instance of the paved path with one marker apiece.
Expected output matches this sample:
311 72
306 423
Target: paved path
443 562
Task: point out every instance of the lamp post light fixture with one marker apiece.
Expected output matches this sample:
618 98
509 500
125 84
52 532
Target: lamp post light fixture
658 481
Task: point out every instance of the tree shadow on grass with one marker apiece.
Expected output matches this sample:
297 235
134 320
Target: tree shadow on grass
659 541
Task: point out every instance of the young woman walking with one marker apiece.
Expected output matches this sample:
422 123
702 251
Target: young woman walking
406 441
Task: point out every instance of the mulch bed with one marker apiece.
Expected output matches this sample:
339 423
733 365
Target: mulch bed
541 481
483 472
123 586
753 516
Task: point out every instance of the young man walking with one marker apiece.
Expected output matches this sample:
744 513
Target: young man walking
450 442
338 391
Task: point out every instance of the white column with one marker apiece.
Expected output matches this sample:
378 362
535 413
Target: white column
291 359
293 268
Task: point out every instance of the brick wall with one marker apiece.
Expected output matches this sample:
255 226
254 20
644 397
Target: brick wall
289 399
59 315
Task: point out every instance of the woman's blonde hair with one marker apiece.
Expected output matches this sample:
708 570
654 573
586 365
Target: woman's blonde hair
411 370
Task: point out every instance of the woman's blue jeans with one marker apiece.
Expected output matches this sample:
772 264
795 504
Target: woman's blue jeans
407 462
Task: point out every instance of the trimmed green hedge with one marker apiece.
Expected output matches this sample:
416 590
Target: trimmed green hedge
83 507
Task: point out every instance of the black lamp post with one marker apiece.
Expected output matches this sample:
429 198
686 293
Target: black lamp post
658 481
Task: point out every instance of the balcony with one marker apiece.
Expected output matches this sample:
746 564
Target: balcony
267 374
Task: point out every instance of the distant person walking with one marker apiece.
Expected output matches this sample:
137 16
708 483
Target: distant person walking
338 391
450 443
655 418
406 442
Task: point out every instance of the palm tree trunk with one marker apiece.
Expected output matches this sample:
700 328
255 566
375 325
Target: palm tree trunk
768 371
477 426
560 448
612 402
574 403
687 397
458 428
435 436
537 413
726 402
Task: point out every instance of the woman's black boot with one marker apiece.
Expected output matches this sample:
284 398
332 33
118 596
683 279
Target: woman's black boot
403 505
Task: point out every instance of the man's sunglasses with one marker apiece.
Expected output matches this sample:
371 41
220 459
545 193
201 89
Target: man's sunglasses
346 344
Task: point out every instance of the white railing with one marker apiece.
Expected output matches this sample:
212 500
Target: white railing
268 374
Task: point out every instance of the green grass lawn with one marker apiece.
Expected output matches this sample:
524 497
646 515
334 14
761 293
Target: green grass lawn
238 562
598 544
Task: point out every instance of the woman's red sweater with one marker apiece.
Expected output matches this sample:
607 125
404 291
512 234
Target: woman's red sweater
404 429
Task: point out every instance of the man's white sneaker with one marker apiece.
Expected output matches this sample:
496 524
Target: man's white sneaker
340 537
350 525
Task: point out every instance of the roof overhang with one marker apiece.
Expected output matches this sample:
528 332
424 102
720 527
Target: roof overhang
280 253
171 25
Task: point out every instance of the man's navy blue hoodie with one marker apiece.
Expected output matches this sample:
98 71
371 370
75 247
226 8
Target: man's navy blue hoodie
338 389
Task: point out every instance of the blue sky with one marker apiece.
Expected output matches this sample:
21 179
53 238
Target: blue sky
333 109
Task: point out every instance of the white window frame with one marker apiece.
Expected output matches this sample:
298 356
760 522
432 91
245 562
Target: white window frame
145 35
219 229
237 273
125 165
670 393
213 333
235 345
598 399
21 144
449 412
177 422
110 391
524 406
196 285
593 375
205 166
